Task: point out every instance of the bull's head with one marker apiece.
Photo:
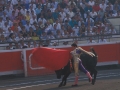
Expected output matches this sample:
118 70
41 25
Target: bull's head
58 73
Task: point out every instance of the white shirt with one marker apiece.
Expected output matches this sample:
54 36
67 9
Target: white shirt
102 41
43 20
23 11
1 24
91 3
112 31
58 27
71 14
52 9
63 15
103 6
5 28
14 2
92 41
27 27
34 6
76 30
32 21
69 19
92 14
66 10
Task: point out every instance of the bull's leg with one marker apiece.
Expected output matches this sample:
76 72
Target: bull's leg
65 78
64 83
60 85
95 75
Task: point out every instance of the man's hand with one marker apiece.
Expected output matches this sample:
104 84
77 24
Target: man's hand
91 54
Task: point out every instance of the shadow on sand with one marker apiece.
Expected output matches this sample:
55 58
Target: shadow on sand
66 87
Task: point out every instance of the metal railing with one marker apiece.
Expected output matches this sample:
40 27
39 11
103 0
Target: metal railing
68 41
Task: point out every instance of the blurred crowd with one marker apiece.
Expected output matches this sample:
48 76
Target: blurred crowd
52 19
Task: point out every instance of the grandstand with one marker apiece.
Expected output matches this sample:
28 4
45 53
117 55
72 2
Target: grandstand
34 23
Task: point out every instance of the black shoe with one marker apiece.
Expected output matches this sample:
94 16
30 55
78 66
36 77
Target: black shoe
74 85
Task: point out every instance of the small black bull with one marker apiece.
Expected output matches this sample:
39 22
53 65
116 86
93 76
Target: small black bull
88 62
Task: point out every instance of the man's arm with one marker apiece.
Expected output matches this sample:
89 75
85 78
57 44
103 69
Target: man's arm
89 53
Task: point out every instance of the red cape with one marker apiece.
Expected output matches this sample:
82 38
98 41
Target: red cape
53 59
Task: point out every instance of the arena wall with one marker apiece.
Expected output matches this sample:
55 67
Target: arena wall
12 61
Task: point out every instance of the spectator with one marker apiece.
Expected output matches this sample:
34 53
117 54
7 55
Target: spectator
96 7
72 22
71 13
27 26
91 3
30 45
23 21
23 32
17 46
88 8
66 9
1 11
35 45
2 38
112 30
63 14
4 16
23 10
102 40
100 15
33 19
91 40
27 16
82 30
76 30
11 47
35 37
116 6
23 45
58 34
66 34
1 22
12 38
42 19
10 23
38 31
103 5
93 15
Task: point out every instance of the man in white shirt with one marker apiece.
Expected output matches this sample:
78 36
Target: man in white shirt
71 2
1 22
33 19
76 29
93 14
14 2
91 3
23 10
58 25
71 13
63 14
103 6
102 40
91 40
42 19
112 30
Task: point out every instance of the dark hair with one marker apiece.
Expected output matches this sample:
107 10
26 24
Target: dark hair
74 45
